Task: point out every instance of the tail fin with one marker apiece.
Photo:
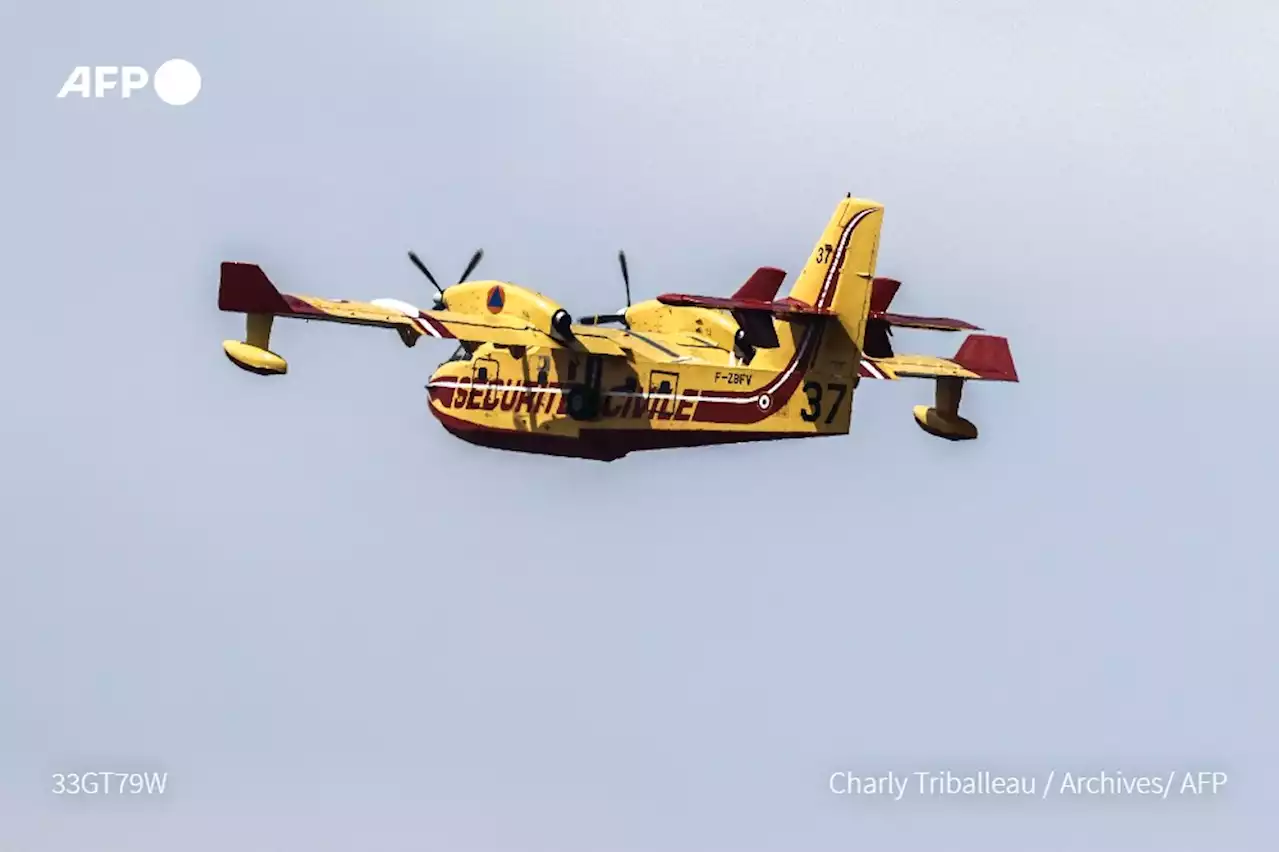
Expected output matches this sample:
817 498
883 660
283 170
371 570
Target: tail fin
839 272
763 284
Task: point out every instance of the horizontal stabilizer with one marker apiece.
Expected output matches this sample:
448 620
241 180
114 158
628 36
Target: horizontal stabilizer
783 308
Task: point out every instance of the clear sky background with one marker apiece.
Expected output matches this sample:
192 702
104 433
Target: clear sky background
337 627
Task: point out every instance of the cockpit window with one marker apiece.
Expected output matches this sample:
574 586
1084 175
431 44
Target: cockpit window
460 354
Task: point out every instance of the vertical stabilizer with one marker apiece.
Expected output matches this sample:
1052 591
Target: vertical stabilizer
838 274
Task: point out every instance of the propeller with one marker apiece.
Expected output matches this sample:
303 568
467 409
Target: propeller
620 316
471 267
626 277
422 267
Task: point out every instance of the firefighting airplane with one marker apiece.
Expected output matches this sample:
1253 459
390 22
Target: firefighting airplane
676 371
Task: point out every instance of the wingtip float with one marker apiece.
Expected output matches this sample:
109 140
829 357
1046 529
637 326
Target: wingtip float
676 371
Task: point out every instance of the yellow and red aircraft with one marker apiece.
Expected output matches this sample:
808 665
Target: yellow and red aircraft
677 371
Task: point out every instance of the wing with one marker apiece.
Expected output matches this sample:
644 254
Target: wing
783 309
981 357
882 292
245 288
928 323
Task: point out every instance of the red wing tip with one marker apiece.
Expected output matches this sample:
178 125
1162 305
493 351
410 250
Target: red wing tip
988 356
882 292
245 288
762 285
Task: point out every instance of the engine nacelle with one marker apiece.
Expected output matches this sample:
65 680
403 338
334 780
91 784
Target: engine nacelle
503 299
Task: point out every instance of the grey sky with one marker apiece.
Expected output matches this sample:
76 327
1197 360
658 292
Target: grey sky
337 627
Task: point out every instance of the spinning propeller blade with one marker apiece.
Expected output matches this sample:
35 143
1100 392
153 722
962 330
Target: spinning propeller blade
422 267
626 278
475 261
620 316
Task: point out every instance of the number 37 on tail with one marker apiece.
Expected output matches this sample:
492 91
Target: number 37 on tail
675 371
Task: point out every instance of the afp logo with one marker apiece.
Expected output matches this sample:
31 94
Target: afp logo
177 82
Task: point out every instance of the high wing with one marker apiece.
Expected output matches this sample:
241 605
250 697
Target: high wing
882 292
982 357
751 298
753 307
927 323
782 308
245 288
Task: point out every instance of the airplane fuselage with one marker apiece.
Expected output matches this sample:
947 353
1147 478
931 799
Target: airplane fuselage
600 406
